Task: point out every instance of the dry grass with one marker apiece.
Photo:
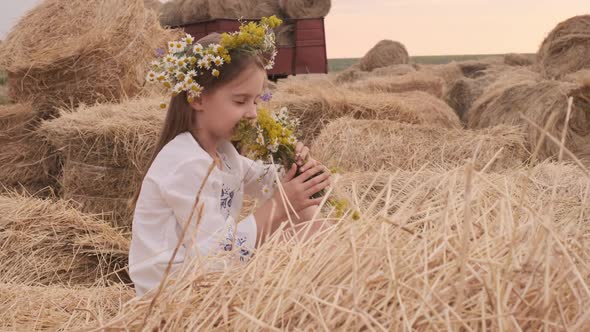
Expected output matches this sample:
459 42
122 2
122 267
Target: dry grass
50 242
62 53
372 145
58 308
320 106
432 251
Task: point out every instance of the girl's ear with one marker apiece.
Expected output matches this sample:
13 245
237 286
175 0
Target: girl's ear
197 104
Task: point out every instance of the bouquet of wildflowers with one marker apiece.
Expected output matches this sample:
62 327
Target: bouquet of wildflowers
271 138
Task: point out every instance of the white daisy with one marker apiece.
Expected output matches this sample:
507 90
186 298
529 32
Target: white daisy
292 140
178 88
198 49
188 39
265 189
180 76
218 61
196 88
151 76
182 62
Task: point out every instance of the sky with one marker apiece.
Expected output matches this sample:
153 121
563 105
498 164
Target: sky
425 27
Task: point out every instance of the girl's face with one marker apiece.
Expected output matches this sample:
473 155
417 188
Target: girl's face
219 112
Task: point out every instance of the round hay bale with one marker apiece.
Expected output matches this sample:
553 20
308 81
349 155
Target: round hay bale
171 14
305 8
567 48
302 85
66 53
516 59
424 241
26 159
545 103
449 72
385 53
321 106
50 242
461 93
416 81
581 77
247 9
371 145
193 11
58 308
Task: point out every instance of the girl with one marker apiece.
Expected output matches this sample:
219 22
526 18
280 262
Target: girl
193 158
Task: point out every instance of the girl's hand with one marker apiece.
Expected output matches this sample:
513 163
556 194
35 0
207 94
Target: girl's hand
299 189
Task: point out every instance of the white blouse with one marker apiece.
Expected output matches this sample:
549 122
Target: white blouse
166 200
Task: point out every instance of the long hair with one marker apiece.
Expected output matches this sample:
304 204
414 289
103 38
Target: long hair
180 116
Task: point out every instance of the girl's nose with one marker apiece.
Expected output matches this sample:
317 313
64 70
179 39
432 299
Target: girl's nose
251 114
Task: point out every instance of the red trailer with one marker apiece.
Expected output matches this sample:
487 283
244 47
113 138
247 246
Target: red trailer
304 53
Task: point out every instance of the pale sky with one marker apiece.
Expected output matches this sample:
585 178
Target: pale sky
425 27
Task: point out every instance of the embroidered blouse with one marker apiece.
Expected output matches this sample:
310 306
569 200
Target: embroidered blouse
166 200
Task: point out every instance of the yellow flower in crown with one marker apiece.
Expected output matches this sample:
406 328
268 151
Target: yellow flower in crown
179 69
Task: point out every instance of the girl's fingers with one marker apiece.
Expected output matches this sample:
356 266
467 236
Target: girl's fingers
310 172
298 148
309 164
316 188
303 155
290 174
315 180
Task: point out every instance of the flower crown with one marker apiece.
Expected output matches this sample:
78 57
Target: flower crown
178 69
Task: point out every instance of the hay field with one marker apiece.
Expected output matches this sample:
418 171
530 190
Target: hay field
461 198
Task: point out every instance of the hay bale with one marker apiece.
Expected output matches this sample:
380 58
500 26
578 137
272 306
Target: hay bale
461 93
394 70
580 77
543 102
111 135
247 9
449 72
154 5
416 81
50 242
516 59
56 308
25 158
369 145
105 150
305 8
567 48
319 107
66 53
354 73
425 244
171 14
384 53
305 84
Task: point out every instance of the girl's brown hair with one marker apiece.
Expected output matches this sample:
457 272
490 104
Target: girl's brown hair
180 116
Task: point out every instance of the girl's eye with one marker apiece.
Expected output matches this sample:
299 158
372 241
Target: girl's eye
240 102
